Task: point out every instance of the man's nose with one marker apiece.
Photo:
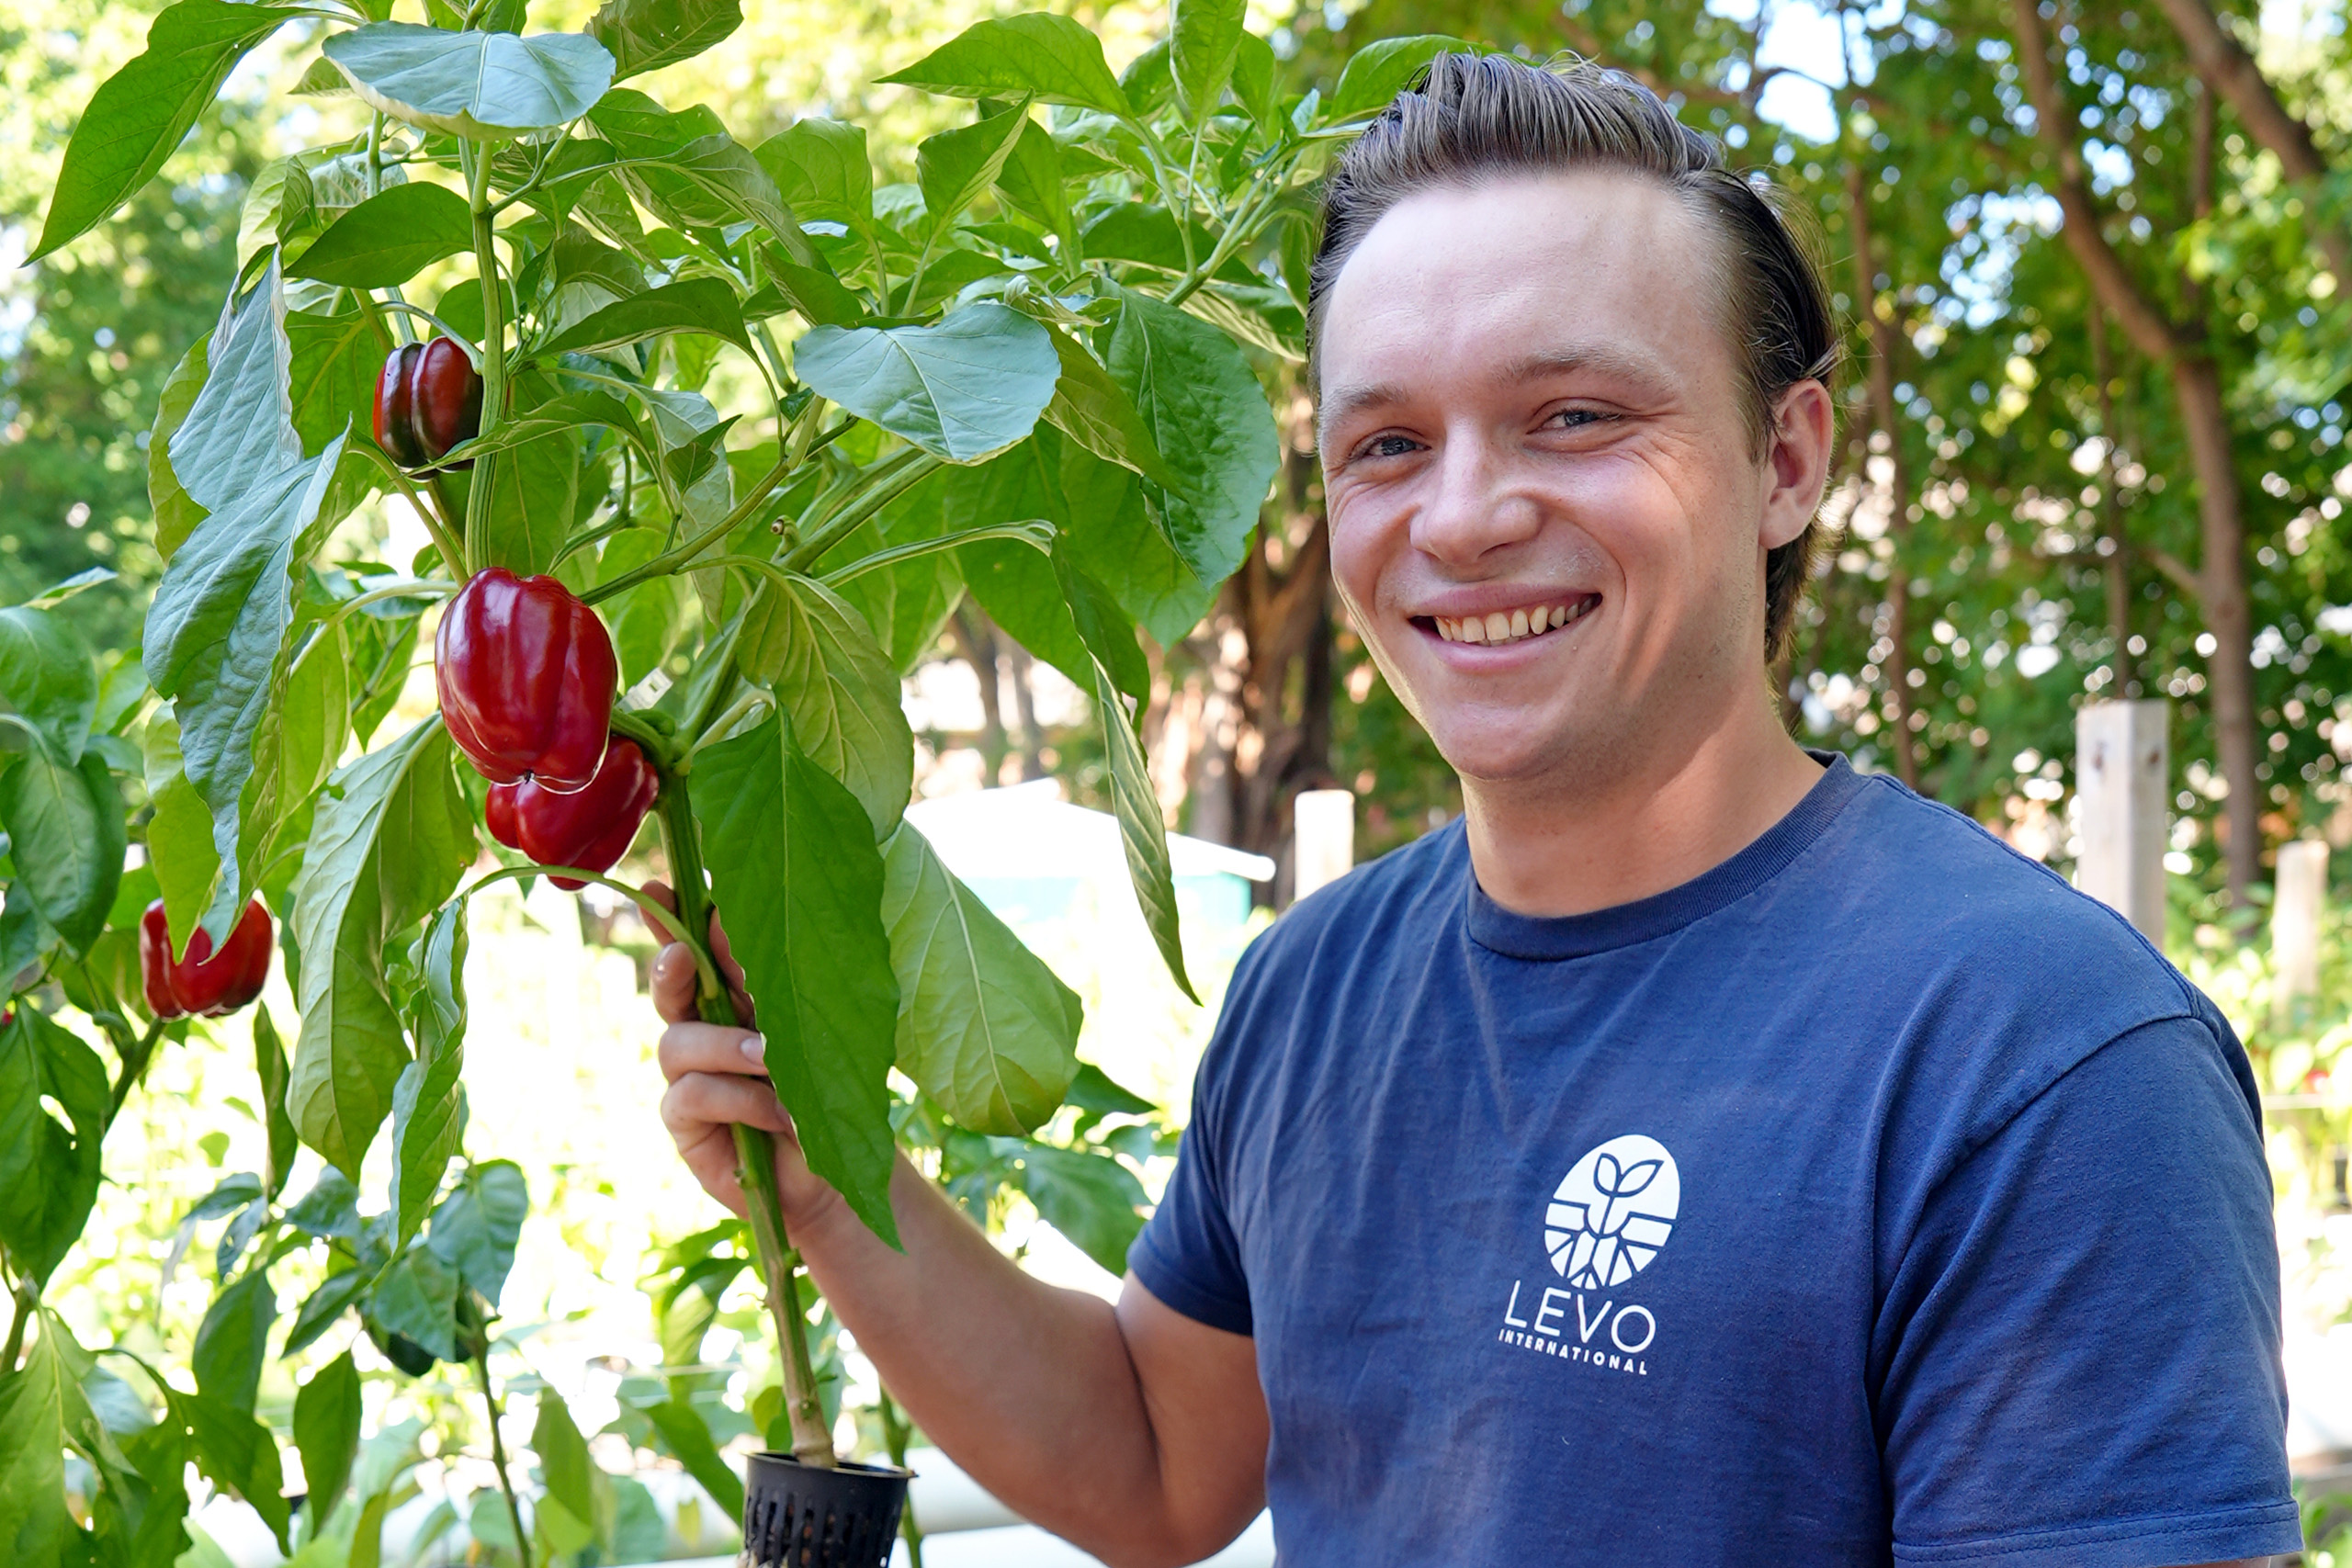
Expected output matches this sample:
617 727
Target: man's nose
1476 504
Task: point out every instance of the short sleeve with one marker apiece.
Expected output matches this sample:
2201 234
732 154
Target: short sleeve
1188 1255
2077 1360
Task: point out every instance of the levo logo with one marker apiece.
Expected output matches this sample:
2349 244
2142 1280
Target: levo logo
1613 1211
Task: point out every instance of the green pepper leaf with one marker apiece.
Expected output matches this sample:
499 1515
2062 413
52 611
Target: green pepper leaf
956 168
984 1027
390 238
1090 1198
233 1340
1255 74
48 682
696 305
239 431
33 1520
429 1100
176 511
568 1474
1203 404
795 870
485 86
416 1298
140 113
326 1433
475 1229
66 835
645 35
1380 69
1203 39
179 838
324 1306
1052 57
332 377
822 169
48 1169
236 1452
393 837
819 658
1142 830
964 390
269 1064
1096 411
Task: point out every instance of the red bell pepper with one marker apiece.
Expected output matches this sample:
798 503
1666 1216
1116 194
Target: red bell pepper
527 677
428 399
590 829
204 983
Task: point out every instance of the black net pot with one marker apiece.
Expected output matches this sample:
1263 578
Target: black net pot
797 1516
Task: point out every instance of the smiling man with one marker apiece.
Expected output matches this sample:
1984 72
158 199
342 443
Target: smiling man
1702 1154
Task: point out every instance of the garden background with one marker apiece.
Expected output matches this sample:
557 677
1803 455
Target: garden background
2097 263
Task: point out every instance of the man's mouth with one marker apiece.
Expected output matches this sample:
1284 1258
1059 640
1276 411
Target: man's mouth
1512 626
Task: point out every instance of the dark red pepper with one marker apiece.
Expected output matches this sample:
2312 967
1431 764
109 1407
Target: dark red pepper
527 677
427 399
204 983
590 829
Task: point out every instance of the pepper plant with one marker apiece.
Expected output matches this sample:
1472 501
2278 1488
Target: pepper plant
708 441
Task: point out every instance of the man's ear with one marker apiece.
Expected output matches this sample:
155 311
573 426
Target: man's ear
1797 463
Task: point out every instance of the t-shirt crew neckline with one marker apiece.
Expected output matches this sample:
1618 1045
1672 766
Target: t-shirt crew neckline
1549 937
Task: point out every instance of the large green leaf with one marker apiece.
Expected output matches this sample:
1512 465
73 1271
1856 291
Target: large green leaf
1052 57
237 1452
645 35
956 168
240 430
180 836
269 1067
1203 39
681 1429
429 1100
390 238
217 630
477 1226
984 1027
176 511
1203 407
64 823
1033 182
1096 411
138 115
533 490
820 660
484 85
569 1475
822 169
49 682
48 1169
416 1298
795 870
393 837
964 390
1142 832
34 1524
335 361
234 1339
326 1431
1089 1197
695 305
709 182
1380 69
906 605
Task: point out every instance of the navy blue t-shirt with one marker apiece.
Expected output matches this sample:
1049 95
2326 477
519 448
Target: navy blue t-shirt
1873 1197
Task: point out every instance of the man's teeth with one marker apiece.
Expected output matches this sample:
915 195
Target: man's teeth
1502 627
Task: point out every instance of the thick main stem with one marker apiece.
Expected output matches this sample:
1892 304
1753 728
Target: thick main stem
754 1155
22 1316
498 1456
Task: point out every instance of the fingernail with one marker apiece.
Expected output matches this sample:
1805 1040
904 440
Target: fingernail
756 1051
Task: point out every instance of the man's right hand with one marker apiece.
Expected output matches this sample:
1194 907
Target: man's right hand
718 1078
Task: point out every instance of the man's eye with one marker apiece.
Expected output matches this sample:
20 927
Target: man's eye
1389 445
1576 419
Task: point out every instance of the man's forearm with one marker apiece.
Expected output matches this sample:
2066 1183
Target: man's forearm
1028 1386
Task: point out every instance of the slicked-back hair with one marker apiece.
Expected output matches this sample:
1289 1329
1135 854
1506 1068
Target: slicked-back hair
1470 119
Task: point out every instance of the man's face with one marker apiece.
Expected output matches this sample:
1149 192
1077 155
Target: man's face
1532 420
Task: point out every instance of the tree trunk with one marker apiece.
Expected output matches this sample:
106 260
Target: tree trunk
1883 414
1032 740
2221 585
975 637
2233 74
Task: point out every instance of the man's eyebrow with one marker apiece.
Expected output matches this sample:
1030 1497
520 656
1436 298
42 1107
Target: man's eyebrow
1643 371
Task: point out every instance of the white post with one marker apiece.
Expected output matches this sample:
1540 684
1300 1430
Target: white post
2122 777
1323 838
2296 897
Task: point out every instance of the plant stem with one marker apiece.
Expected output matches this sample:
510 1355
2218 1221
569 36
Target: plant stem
736 711
669 561
889 479
16 1346
498 1455
1035 533
494 361
134 1067
754 1155
895 1433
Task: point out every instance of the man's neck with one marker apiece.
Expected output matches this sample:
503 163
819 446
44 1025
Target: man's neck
1545 848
